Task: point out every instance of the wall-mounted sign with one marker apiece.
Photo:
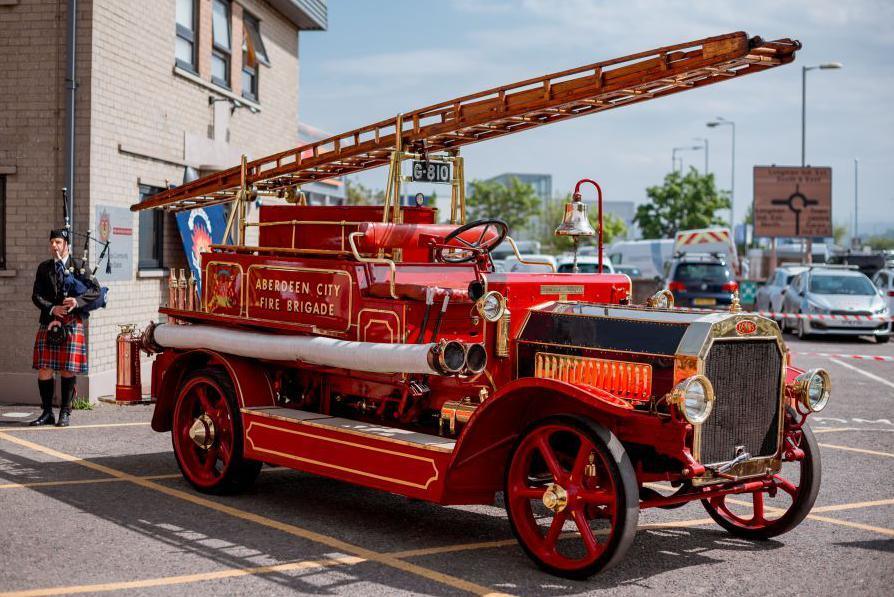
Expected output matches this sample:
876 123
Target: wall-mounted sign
114 224
792 201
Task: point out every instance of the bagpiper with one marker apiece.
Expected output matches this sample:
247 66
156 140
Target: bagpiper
63 287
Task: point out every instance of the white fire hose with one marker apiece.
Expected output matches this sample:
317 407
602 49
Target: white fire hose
376 357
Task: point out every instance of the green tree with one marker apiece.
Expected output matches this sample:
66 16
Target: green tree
358 194
554 211
515 204
838 233
681 203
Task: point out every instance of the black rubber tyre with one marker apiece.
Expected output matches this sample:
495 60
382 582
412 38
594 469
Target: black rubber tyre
624 505
221 468
808 488
882 339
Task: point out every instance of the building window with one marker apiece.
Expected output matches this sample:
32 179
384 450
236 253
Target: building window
185 48
221 48
2 222
253 54
151 232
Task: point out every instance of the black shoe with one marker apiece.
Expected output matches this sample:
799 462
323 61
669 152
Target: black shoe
45 418
64 416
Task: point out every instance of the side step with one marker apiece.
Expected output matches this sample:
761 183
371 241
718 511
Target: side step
396 460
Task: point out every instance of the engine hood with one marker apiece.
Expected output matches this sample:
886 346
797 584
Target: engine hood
673 332
674 342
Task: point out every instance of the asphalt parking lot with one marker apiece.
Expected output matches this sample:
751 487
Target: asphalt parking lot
101 507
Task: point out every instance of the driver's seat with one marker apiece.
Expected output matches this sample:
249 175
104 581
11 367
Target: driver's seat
413 274
415 240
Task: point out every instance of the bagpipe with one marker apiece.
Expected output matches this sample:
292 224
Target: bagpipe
72 284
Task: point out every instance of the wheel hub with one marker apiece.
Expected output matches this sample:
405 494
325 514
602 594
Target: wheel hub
555 497
202 432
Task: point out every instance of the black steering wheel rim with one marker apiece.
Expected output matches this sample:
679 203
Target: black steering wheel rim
474 247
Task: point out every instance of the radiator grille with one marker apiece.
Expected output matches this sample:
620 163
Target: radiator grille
746 377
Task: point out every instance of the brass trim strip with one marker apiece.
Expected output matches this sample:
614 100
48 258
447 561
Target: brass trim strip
362 473
310 423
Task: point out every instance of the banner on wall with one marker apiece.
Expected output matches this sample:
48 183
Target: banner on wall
199 229
114 224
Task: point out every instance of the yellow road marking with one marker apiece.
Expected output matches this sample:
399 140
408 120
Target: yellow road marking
860 450
271 469
853 506
186 578
291 566
80 482
332 542
856 525
72 427
846 523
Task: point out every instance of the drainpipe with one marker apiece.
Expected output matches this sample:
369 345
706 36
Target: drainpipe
71 86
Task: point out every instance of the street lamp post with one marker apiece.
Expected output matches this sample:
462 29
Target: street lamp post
686 148
721 121
804 69
705 141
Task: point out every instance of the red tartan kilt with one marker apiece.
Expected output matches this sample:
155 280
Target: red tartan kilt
71 355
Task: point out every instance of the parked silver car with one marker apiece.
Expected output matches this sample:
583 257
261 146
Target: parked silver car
826 290
769 296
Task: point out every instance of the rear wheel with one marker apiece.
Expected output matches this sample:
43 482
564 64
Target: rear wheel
571 496
882 339
771 512
207 435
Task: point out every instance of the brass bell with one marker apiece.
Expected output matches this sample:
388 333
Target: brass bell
575 222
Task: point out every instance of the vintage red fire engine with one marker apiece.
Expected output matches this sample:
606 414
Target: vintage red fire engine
377 346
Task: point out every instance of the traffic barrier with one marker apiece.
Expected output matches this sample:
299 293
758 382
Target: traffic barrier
835 355
808 316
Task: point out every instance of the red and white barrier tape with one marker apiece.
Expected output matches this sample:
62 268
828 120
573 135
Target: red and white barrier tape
835 355
808 316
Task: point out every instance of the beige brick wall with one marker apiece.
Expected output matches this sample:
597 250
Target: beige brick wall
129 98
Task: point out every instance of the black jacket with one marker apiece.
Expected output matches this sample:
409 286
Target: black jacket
48 292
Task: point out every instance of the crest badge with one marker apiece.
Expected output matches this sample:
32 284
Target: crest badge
746 327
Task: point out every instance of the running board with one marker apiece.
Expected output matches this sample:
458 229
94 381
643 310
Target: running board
388 458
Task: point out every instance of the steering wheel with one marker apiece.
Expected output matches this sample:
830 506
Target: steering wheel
469 251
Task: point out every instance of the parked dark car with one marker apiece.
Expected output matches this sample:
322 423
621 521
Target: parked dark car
868 263
701 281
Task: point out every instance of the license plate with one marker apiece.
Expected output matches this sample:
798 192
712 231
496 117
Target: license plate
708 302
851 323
432 171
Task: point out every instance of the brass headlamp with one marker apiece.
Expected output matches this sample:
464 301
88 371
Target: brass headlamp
812 389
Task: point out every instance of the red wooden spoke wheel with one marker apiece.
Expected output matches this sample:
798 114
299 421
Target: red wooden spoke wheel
571 497
207 435
771 512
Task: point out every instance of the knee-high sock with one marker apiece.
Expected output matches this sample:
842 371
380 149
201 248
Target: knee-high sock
46 387
68 391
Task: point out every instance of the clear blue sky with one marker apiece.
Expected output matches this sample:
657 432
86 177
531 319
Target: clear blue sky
381 58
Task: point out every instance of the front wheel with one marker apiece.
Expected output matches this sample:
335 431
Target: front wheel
779 509
207 435
574 474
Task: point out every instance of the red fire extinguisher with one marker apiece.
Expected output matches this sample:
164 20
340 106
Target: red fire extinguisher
128 388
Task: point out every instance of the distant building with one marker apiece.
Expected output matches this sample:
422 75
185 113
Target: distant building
165 91
543 187
541 183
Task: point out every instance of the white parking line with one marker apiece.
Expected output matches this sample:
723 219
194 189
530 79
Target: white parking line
871 376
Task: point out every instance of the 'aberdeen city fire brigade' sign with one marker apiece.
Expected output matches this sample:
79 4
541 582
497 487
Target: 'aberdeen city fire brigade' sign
321 298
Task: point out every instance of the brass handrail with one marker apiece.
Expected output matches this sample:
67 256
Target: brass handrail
374 260
520 260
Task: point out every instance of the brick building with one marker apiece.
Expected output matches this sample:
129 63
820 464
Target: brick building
163 88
